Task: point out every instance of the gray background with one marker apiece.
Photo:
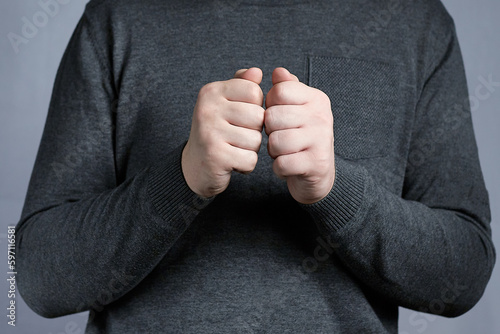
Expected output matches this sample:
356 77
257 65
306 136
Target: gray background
26 80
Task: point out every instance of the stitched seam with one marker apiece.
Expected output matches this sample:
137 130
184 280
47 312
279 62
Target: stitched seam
100 57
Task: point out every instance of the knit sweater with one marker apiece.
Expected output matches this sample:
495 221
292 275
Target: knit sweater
110 225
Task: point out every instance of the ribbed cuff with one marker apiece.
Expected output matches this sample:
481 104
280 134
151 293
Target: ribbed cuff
169 192
342 203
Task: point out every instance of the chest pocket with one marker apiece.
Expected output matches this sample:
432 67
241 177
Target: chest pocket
364 97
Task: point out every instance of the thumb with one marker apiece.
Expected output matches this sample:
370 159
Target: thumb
253 74
281 74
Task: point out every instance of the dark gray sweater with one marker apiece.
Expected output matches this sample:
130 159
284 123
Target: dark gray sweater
110 225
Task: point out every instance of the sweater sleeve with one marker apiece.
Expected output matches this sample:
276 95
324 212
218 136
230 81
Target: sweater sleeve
429 248
84 234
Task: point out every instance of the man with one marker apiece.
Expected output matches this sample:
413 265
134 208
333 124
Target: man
364 193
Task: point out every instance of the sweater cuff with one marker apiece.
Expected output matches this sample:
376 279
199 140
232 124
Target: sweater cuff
341 204
169 192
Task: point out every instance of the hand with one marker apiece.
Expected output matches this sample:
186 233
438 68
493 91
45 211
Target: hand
299 123
225 132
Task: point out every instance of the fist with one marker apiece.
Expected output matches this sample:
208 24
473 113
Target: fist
299 123
225 132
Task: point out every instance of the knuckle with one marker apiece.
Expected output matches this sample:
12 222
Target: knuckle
202 113
273 97
273 140
324 117
255 93
209 89
252 159
250 162
255 140
270 118
326 105
324 98
322 160
321 97
280 91
205 108
259 122
279 166
257 137
260 116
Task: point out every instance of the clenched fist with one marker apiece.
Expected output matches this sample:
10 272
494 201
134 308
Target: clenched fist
225 132
299 123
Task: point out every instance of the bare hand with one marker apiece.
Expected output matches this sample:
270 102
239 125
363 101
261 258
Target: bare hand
299 123
225 132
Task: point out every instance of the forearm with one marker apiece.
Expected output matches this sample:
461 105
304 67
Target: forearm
406 250
70 252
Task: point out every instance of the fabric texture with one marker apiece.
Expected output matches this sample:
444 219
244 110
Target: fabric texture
110 225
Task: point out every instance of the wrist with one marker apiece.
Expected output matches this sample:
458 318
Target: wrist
187 171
